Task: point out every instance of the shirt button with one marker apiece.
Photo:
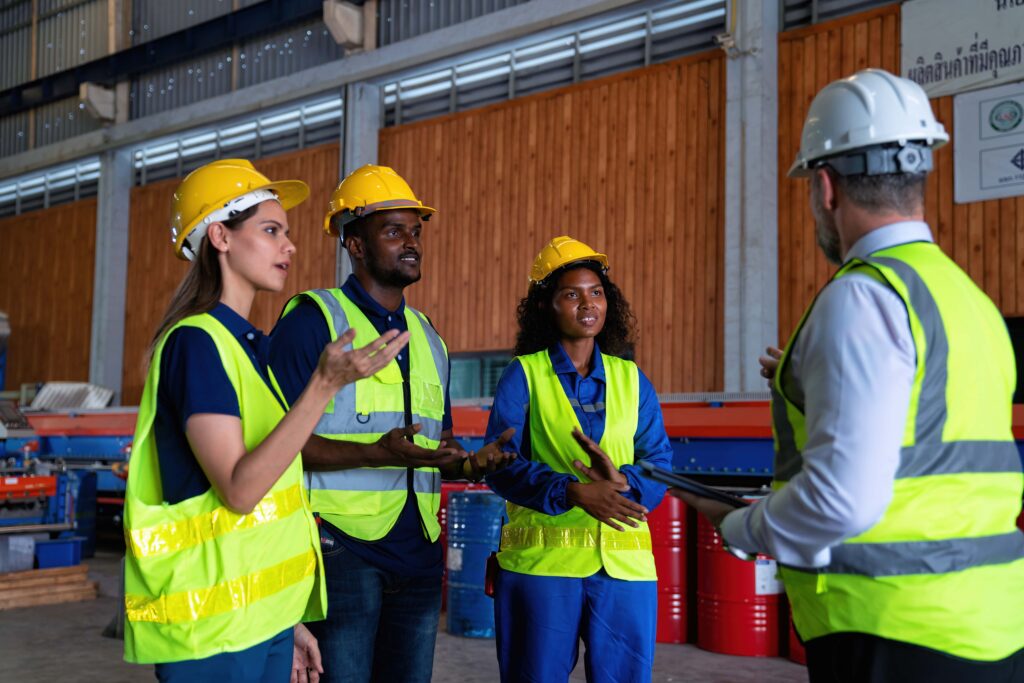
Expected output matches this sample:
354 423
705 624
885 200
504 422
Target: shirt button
389 318
250 336
399 356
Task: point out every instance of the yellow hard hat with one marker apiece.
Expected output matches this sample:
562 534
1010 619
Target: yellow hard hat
216 192
368 189
559 252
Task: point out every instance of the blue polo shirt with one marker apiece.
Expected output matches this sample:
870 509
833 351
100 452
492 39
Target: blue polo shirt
534 484
295 346
192 381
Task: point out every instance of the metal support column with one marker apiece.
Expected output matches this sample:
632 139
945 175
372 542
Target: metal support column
110 275
361 124
751 190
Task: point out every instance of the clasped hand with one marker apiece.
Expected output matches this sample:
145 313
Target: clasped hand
602 498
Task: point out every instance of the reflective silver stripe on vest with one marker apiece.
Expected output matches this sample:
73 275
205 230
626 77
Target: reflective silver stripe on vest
436 346
587 407
930 455
788 460
344 419
931 404
375 479
924 557
958 457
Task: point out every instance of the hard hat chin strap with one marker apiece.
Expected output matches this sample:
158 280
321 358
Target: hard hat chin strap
910 157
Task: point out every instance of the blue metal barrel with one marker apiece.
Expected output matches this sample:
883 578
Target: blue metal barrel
474 528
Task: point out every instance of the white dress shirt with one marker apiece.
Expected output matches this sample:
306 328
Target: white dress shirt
854 361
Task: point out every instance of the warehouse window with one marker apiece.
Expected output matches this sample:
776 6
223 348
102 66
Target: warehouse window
295 127
797 13
59 185
475 375
654 32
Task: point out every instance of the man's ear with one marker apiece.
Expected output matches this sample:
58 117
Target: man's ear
354 246
828 187
218 233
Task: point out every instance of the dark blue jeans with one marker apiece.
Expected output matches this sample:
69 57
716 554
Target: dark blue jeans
380 627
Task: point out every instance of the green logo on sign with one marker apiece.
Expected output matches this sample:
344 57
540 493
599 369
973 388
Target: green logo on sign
1005 116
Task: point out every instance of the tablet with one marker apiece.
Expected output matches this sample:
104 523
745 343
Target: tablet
658 474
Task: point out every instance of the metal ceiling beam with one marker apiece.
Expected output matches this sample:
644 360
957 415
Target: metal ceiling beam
506 25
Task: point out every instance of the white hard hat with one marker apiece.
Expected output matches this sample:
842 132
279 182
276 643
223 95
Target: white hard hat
868 109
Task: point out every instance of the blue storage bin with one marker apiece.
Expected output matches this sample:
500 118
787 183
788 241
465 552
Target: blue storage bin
60 552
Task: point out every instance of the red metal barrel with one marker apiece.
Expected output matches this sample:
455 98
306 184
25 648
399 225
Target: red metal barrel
737 602
796 649
668 540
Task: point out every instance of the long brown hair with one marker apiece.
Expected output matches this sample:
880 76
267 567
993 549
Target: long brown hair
200 291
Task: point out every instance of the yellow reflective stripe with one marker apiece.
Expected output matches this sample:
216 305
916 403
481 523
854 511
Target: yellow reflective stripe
175 536
521 538
224 597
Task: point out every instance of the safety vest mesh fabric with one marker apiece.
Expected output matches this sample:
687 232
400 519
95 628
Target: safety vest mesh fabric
366 502
944 566
574 544
201 579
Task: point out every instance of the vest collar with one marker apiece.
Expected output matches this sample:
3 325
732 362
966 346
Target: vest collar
889 236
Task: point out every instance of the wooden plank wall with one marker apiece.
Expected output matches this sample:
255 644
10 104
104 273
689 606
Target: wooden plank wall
46 272
983 237
809 59
154 272
631 164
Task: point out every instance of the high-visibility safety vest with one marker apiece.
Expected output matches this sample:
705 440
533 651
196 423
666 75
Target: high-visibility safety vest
365 502
574 544
200 579
944 566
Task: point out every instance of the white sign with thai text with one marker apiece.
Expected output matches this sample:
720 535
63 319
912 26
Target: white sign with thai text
988 143
951 46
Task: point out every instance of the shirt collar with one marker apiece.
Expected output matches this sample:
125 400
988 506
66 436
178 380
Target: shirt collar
238 326
355 291
563 365
890 236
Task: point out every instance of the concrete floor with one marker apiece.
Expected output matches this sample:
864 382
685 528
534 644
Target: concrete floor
63 642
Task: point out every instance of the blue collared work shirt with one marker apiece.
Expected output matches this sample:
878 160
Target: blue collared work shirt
193 381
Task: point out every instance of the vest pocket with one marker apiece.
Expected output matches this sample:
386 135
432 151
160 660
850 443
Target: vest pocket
427 398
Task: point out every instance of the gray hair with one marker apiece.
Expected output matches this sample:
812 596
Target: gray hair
900 192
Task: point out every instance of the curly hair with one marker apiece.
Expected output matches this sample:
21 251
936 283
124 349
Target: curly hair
537 327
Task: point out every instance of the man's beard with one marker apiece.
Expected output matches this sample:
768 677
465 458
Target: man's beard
825 231
828 239
389 277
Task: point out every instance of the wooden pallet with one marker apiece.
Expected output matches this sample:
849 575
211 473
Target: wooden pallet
46 587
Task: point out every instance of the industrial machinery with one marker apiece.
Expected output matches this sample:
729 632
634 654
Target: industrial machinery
721 438
93 445
34 495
